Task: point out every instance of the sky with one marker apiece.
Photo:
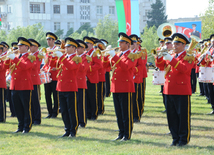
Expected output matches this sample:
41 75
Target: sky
185 8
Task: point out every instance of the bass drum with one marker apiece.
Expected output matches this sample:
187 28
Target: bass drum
158 77
45 77
8 80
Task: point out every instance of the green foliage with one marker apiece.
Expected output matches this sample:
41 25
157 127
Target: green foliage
87 27
157 15
208 21
32 31
107 29
69 32
84 33
59 33
150 41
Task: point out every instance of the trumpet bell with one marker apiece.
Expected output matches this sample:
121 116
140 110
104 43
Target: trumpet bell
165 30
194 41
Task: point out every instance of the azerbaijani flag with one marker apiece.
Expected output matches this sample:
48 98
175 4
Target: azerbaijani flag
0 19
128 16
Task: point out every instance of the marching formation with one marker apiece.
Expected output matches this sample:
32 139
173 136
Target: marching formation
79 74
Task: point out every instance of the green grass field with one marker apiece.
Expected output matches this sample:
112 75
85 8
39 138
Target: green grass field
148 137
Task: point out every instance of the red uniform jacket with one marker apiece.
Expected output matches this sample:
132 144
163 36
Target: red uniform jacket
108 67
67 80
177 80
196 61
21 76
52 63
2 75
138 70
102 71
36 70
206 62
81 73
161 68
92 73
122 78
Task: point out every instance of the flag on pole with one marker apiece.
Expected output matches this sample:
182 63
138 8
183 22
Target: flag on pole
128 16
0 19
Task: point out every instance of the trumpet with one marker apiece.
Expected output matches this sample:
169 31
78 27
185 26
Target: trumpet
194 41
116 49
159 52
8 53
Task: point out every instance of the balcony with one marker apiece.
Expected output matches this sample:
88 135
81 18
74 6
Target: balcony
3 15
40 16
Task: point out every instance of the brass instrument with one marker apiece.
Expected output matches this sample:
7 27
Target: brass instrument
116 49
165 30
159 52
194 41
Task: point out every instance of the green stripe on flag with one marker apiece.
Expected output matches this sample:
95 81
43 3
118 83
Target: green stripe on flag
121 16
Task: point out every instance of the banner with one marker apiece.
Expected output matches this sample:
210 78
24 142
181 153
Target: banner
135 17
121 16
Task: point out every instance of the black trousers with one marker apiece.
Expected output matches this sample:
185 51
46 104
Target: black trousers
137 101
35 105
143 90
22 100
163 96
92 101
200 85
123 109
11 104
2 105
193 80
206 93
50 88
68 106
107 84
82 107
101 97
211 94
178 115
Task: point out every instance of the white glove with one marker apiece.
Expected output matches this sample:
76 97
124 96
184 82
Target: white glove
108 47
208 52
167 56
11 56
211 59
58 54
111 53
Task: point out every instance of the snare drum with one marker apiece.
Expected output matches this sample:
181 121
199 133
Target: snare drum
8 80
206 75
158 77
45 77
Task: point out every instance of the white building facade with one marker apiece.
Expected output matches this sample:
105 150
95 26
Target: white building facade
63 14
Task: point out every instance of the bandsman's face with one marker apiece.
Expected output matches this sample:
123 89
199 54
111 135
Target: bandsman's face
80 50
70 49
123 46
178 47
168 45
50 42
23 48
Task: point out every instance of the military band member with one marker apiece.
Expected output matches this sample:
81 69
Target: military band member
50 88
138 80
57 43
177 90
2 87
122 86
67 86
21 85
82 85
92 80
35 103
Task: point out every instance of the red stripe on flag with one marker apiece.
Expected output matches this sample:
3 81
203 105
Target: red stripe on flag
127 8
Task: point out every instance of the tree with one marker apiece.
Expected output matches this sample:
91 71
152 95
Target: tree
35 31
87 27
107 29
69 32
157 15
150 41
208 20
59 33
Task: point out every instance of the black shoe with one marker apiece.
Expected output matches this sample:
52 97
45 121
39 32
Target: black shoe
124 139
173 144
25 131
211 113
182 144
71 136
53 116
49 116
135 120
118 138
163 111
36 123
93 118
200 95
12 115
81 126
65 134
18 130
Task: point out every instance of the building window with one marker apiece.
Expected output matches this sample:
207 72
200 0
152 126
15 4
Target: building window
70 9
70 25
56 9
84 1
56 26
111 10
100 10
82 23
34 8
85 12
9 8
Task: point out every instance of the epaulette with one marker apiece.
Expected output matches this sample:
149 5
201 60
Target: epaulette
40 56
88 58
133 56
77 59
32 58
189 57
